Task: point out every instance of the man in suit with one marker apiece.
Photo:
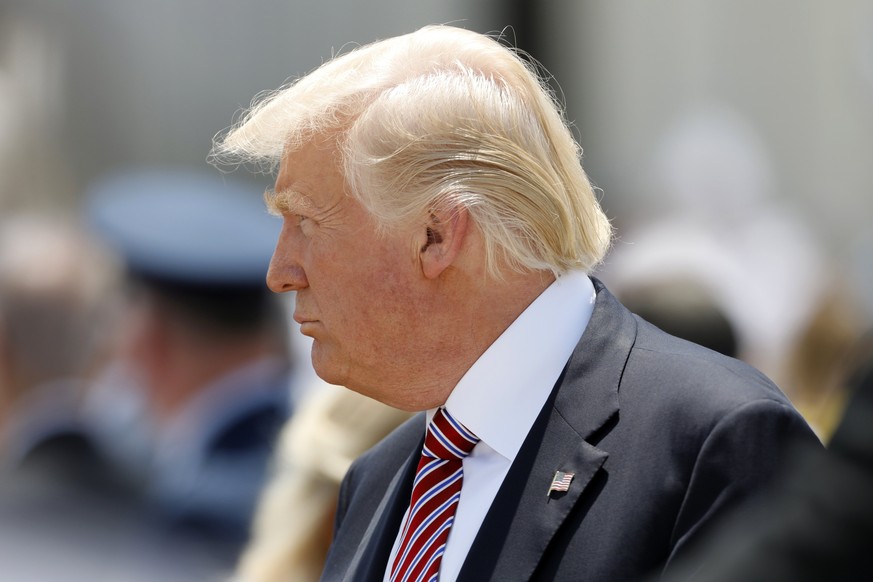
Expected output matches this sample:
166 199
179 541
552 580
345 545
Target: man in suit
438 232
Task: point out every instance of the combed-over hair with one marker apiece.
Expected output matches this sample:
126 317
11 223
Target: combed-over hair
440 118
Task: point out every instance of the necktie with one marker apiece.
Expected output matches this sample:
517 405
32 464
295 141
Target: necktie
435 495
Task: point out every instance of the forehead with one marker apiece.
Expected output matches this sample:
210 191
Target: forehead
315 159
311 174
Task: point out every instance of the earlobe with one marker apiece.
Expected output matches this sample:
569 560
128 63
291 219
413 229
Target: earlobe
443 237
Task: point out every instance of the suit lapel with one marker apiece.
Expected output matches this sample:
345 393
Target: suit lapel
371 557
524 518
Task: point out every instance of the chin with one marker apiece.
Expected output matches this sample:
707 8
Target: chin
327 373
325 367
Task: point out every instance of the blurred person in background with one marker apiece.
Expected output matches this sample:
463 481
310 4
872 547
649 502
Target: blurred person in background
438 231
202 347
66 511
714 217
56 292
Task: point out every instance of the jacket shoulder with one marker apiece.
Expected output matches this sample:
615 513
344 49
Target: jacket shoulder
705 380
373 470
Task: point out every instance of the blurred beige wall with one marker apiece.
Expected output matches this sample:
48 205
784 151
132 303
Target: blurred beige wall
799 71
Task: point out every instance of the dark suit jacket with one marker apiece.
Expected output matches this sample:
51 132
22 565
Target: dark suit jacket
815 524
663 437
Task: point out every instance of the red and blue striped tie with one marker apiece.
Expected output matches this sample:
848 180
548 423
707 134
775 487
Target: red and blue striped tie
435 495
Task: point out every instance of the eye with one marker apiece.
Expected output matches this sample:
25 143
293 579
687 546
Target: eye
303 222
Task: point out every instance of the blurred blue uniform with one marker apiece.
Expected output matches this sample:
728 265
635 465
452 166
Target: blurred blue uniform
209 466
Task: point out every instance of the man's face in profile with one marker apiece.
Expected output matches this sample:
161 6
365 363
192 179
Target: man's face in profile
359 292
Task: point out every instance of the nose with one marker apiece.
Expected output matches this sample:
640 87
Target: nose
285 272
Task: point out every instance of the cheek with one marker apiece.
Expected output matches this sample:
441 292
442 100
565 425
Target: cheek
364 286
390 310
371 309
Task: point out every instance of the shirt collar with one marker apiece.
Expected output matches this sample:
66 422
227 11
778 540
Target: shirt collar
501 395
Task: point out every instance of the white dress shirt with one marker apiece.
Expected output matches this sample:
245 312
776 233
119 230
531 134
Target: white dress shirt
500 397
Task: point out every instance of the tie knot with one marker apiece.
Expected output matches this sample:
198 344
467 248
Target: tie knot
447 438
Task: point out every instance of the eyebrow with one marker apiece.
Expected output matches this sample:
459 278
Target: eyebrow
287 202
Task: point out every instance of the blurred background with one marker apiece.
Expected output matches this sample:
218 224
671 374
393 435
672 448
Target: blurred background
730 142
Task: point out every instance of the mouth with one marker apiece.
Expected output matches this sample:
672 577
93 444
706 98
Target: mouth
306 323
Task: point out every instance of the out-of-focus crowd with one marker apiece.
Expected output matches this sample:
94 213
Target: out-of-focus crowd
143 380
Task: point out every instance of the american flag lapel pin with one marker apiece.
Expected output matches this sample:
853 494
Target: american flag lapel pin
560 482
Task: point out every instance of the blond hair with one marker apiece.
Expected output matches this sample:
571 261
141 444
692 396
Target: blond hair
440 118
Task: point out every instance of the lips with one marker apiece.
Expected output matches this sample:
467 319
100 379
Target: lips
301 319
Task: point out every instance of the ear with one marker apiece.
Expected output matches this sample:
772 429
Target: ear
443 235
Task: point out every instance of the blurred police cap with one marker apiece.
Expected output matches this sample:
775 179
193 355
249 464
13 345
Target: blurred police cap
185 226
